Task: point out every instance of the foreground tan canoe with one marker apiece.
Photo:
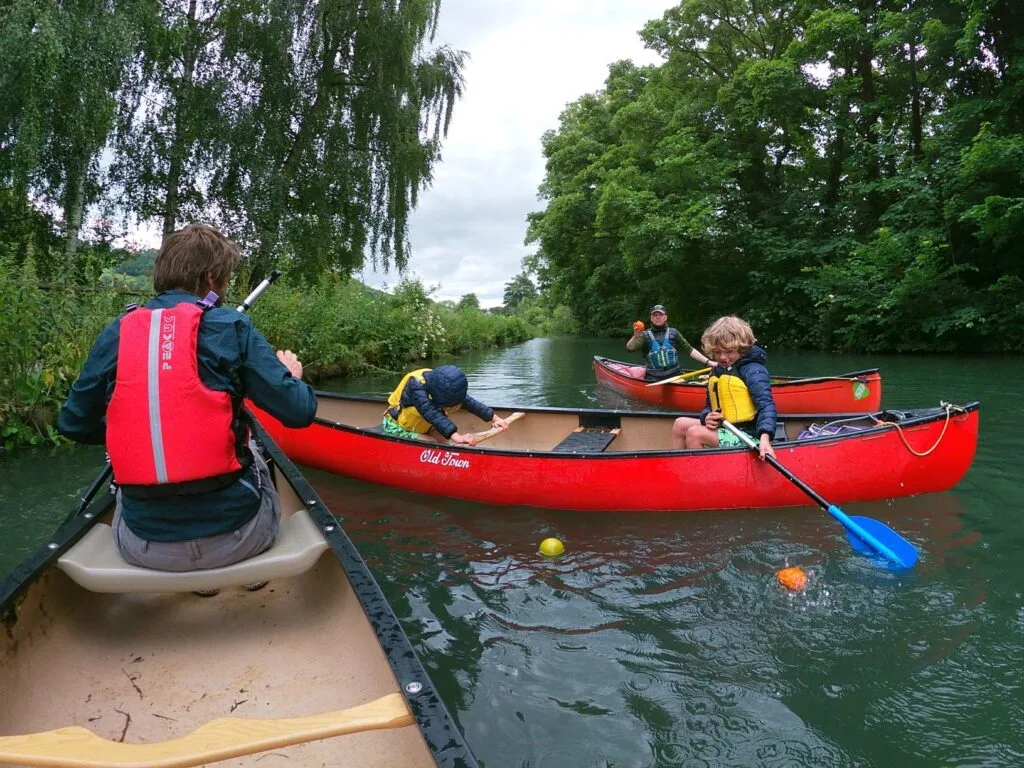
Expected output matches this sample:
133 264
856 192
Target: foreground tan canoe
105 664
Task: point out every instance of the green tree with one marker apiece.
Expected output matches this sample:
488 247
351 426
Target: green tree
305 128
844 173
519 289
469 301
61 68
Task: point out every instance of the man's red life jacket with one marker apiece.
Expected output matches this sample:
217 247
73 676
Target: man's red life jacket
167 432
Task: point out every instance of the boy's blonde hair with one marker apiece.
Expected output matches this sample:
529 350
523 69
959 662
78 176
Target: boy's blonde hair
728 333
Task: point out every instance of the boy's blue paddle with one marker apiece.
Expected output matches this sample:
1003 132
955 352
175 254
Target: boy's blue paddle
867 536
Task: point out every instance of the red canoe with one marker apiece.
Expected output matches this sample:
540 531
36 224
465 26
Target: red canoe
604 460
856 392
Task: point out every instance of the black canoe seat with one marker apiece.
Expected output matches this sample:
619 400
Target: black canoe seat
780 432
587 440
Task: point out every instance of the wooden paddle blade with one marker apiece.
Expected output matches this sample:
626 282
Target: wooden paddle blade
903 549
226 737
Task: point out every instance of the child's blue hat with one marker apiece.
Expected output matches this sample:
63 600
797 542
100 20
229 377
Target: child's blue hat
447 386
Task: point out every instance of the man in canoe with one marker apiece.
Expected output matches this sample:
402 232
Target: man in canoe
739 390
163 387
661 344
421 402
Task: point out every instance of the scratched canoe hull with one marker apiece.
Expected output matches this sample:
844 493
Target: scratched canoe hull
855 392
636 470
154 666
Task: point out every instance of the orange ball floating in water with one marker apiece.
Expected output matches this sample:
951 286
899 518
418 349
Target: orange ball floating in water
793 579
638 325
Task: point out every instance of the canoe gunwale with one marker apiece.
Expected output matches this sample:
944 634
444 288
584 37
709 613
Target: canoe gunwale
435 723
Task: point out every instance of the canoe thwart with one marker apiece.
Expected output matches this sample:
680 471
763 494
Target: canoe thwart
95 563
220 739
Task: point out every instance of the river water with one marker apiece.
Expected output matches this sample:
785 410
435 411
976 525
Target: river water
662 640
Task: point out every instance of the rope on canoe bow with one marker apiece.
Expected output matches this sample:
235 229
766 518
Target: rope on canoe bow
949 408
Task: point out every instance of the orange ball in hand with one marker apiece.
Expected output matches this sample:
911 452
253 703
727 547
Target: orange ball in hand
793 579
638 325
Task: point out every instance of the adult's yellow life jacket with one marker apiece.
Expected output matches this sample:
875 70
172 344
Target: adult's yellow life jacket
409 417
730 396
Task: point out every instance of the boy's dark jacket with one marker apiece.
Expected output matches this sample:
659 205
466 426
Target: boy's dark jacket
751 368
445 386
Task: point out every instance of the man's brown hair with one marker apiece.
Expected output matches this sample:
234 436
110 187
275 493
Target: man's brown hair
192 256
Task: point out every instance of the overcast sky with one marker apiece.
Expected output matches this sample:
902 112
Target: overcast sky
527 60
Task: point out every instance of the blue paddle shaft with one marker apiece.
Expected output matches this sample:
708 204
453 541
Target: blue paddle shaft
871 540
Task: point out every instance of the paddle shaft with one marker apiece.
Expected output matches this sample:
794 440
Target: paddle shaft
680 377
267 282
86 499
481 436
832 509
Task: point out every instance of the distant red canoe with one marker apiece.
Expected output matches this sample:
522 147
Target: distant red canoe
603 460
857 392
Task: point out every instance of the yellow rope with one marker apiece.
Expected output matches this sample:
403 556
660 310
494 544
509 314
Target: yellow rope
949 411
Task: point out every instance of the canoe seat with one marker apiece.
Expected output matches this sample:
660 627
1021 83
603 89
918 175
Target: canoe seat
587 440
95 563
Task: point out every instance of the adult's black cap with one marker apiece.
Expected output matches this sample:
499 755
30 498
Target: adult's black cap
658 308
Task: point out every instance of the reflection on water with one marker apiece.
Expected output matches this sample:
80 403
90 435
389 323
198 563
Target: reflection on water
664 640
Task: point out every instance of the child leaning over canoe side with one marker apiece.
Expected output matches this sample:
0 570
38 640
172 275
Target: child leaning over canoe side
421 402
739 390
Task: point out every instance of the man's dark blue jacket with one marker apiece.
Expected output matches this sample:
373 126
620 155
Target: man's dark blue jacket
233 357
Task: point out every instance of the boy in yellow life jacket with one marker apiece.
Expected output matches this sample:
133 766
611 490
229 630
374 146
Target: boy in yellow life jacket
739 390
421 402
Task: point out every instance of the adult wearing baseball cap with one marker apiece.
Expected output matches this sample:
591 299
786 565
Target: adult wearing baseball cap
661 345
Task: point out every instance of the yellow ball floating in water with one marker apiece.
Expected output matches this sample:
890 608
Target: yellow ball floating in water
551 547
793 579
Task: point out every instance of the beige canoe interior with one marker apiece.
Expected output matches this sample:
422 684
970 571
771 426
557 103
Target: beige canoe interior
541 430
144 668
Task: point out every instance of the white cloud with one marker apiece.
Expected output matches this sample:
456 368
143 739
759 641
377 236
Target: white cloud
528 60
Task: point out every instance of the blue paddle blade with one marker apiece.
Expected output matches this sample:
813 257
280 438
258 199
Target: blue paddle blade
903 549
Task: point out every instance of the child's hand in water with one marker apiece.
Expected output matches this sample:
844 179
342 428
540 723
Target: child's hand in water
458 437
